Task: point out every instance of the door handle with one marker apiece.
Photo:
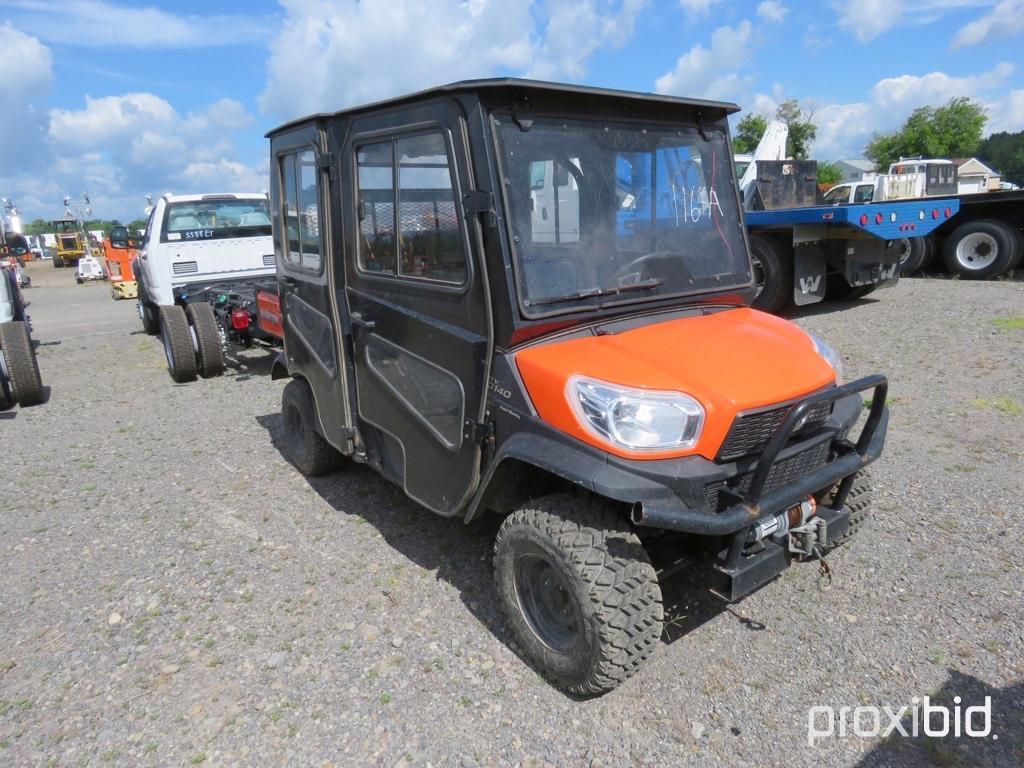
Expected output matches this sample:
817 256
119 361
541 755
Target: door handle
290 283
361 322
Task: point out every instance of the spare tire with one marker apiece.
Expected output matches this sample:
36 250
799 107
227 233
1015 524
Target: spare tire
209 348
982 248
26 386
178 347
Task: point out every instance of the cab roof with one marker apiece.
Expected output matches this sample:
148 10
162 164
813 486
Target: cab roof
497 85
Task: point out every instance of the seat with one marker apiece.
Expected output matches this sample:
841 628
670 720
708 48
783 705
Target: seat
179 223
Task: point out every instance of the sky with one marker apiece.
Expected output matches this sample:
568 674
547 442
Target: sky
124 99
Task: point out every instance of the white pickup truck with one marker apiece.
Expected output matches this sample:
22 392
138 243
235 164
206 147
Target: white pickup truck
199 265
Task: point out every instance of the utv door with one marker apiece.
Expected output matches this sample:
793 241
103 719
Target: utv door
300 204
416 293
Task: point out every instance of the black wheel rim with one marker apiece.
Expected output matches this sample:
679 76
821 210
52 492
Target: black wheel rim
546 603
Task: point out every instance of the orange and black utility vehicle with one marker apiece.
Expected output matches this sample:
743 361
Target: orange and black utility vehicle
532 300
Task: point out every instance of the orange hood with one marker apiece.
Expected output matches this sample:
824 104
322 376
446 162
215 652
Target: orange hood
729 361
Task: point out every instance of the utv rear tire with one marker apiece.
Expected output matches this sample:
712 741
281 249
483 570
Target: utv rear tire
304 446
980 249
773 272
859 502
178 348
26 386
208 339
579 590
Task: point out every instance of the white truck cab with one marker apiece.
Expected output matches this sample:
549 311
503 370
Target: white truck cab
199 265
204 239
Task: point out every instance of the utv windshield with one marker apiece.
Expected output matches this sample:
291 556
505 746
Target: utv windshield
216 219
605 213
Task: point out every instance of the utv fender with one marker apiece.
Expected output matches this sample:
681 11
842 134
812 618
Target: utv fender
525 460
279 369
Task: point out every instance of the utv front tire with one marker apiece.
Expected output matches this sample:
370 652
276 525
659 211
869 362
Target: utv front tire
579 590
178 347
305 447
208 339
859 502
26 386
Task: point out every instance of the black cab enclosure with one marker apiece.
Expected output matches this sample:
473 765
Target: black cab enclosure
532 299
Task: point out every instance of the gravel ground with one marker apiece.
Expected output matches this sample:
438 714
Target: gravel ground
173 593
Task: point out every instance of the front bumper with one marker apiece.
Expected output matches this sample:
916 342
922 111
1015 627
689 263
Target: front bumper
755 503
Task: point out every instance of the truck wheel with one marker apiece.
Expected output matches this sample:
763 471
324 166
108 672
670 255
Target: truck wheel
983 248
912 253
207 331
1019 236
57 263
579 590
858 502
773 273
178 348
305 447
932 248
20 360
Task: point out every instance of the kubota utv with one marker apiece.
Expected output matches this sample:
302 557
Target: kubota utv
532 300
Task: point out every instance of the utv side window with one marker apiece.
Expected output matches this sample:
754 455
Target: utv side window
420 208
301 198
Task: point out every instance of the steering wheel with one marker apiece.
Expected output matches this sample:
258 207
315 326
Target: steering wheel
637 264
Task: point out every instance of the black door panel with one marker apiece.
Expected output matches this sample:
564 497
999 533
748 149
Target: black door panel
421 332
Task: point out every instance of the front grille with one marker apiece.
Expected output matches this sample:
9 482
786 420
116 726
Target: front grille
185 267
751 432
268 260
781 473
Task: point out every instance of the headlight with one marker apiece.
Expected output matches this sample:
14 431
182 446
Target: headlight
637 419
831 356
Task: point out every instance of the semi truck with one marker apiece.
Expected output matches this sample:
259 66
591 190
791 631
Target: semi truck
804 248
985 239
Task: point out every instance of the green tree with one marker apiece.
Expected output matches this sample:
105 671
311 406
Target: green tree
749 131
952 130
802 129
829 174
1004 152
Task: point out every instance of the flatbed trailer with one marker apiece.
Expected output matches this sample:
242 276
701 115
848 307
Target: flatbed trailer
802 252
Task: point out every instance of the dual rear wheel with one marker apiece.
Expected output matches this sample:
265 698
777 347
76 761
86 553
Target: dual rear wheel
193 344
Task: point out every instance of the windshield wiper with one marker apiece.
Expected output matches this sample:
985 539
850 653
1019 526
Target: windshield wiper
646 285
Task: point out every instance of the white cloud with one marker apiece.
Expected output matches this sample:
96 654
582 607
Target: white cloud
27 72
332 54
907 92
700 71
772 11
1006 114
867 19
1005 20
95 23
694 8
577 28
845 129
